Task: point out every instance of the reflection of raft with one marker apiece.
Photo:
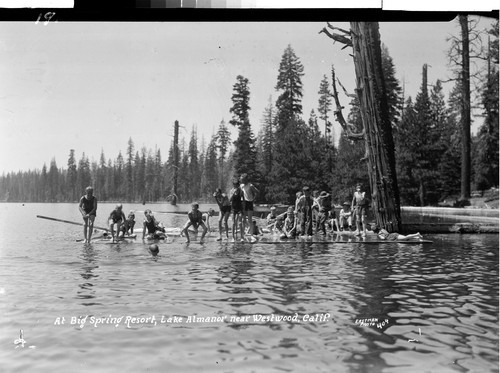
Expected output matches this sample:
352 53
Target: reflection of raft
276 240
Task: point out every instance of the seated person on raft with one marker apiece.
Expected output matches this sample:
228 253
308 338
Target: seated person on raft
128 225
154 228
116 218
290 225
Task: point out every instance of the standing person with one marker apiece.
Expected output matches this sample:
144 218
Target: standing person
236 202
323 203
116 217
298 214
225 210
88 209
359 205
304 206
195 219
152 227
315 209
249 194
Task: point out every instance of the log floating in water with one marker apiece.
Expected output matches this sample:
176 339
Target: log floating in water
450 228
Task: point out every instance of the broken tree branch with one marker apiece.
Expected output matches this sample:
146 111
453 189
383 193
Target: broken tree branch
337 37
339 117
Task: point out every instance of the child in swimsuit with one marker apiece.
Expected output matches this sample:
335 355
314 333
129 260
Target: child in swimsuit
153 228
128 225
235 199
195 220
88 208
290 226
395 236
116 218
225 210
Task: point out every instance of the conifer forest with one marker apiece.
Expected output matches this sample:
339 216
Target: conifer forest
435 154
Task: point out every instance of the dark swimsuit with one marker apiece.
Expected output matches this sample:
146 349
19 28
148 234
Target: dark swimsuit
151 226
116 216
195 218
236 204
88 204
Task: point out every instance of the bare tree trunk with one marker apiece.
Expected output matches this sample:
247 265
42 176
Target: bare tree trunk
173 201
465 111
377 127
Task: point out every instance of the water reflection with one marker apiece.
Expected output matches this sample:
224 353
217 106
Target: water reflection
86 289
425 293
235 276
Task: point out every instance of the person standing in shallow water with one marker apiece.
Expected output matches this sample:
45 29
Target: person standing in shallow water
88 209
359 205
250 192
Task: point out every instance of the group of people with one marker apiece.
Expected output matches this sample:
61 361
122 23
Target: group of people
239 204
118 223
312 213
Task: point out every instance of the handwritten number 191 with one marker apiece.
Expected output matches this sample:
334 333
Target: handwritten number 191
48 16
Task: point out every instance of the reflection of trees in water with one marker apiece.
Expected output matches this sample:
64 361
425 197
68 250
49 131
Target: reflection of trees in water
415 286
235 273
89 264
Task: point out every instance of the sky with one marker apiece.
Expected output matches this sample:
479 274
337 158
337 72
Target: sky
90 86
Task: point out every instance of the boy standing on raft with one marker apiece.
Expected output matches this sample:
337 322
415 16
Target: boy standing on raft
225 210
249 194
236 202
304 207
359 205
88 209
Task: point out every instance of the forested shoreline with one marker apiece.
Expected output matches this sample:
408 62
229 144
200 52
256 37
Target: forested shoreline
289 151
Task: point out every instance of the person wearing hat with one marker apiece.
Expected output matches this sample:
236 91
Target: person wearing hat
116 218
345 216
304 207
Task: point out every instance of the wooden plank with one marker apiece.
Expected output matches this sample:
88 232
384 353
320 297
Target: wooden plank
70 222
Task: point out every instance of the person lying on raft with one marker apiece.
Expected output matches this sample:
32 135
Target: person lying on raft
386 236
154 229
195 220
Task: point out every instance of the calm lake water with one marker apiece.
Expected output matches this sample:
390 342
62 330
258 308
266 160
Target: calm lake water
434 307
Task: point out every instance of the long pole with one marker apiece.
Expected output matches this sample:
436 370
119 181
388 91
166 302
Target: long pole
70 222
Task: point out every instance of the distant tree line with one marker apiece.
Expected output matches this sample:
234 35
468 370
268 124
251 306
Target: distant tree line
289 152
